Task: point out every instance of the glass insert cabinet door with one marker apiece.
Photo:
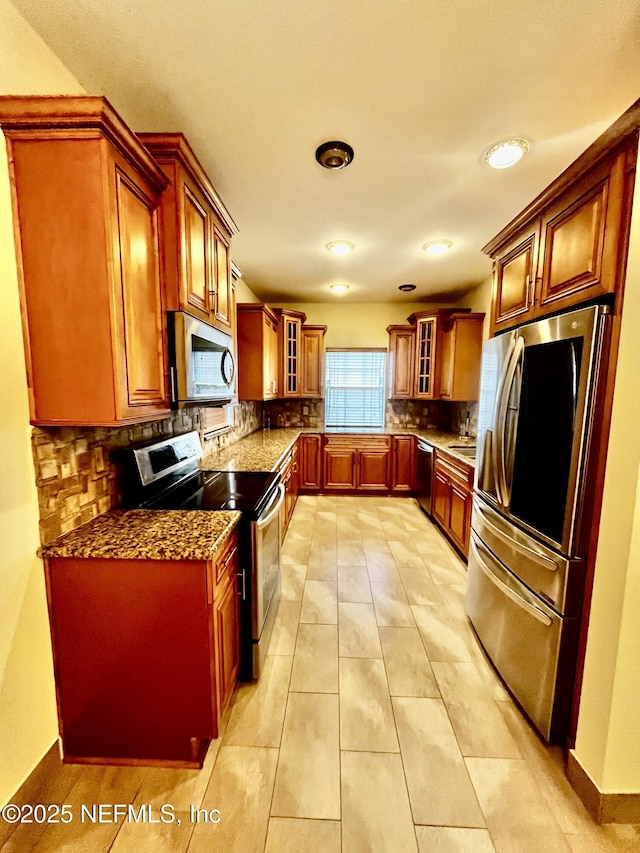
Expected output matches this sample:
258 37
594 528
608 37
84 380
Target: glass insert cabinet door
292 355
425 361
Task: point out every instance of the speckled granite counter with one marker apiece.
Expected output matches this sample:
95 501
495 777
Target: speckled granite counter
263 450
146 535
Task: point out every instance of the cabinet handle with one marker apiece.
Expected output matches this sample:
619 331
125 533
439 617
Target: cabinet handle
241 591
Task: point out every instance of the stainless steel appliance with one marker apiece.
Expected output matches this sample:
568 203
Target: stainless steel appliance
528 539
202 369
165 475
424 476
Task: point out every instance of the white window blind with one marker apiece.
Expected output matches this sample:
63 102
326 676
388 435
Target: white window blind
355 388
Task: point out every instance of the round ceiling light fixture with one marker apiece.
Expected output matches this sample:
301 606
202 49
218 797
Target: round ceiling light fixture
406 288
505 154
334 155
340 247
339 288
437 247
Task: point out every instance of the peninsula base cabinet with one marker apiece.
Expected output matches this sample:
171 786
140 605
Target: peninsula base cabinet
146 655
452 496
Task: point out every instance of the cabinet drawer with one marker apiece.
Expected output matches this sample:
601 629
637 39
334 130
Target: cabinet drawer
358 442
455 468
227 558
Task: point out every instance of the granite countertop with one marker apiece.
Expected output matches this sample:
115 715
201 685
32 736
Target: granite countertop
263 450
146 535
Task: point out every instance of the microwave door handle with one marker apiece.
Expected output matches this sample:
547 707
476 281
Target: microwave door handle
227 373
502 408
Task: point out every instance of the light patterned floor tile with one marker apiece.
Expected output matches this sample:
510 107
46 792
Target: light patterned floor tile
434 765
405 554
441 636
293 578
358 631
375 807
351 553
320 603
315 663
447 839
391 606
299 835
366 716
258 711
408 670
285 628
419 586
353 584
308 778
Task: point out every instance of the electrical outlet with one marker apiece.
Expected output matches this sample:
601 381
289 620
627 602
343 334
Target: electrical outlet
305 410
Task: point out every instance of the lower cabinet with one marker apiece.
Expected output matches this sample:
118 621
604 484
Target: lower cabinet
403 466
146 655
452 496
290 474
310 461
356 462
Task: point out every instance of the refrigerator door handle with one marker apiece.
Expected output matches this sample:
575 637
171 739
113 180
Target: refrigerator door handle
502 408
531 609
540 559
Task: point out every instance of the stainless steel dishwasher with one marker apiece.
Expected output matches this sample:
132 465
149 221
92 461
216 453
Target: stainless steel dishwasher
424 476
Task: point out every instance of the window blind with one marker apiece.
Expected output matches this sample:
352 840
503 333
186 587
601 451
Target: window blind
355 388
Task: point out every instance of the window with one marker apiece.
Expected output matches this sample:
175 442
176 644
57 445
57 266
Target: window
355 388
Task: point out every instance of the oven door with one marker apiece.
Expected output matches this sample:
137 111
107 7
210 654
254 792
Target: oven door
265 576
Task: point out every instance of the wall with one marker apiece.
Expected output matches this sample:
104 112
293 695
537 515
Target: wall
608 736
28 724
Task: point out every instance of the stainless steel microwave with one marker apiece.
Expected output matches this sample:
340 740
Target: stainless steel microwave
201 363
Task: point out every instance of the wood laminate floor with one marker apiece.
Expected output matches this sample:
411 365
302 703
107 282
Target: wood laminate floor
377 726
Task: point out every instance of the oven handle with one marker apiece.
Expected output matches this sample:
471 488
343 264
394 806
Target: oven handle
263 521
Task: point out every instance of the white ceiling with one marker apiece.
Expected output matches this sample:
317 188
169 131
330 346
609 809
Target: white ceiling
419 88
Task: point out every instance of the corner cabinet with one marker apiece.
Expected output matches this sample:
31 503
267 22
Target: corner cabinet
146 655
86 196
196 233
257 331
567 247
452 498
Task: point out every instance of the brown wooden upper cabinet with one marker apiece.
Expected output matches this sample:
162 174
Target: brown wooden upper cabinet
257 330
86 195
290 351
312 383
437 356
196 233
567 246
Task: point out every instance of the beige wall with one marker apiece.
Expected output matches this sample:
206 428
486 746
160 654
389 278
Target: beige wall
479 299
608 738
244 292
28 723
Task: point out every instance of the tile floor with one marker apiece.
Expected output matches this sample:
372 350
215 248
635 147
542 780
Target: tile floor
377 726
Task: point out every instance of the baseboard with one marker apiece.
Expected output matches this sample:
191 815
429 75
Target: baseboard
603 808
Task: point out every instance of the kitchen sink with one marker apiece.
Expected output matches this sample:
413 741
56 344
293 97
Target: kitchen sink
463 449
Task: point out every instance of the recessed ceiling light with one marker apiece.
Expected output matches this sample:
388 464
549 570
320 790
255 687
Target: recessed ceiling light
339 288
340 247
406 288
334 155
505 154
437 247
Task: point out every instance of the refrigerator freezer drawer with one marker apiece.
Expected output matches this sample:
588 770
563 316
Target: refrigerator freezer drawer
531 646
558 580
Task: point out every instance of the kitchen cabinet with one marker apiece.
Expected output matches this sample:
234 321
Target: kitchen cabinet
452 497
310 456
352 462
86 196
402 346
567 247
460 356
290 474
437 357
403 463
146 655
257 332
312 361
290 351
196 230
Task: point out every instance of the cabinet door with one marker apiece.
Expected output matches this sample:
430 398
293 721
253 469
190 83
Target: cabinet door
514 282
441 506
144 382
582 239
227 638
312 361
291 355
461 357
196 257
425 382
403 463
373 470
460 517
222 279
270 355
402 347
310 462
339 468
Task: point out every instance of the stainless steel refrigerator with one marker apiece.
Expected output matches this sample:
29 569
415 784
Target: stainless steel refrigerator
528 534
